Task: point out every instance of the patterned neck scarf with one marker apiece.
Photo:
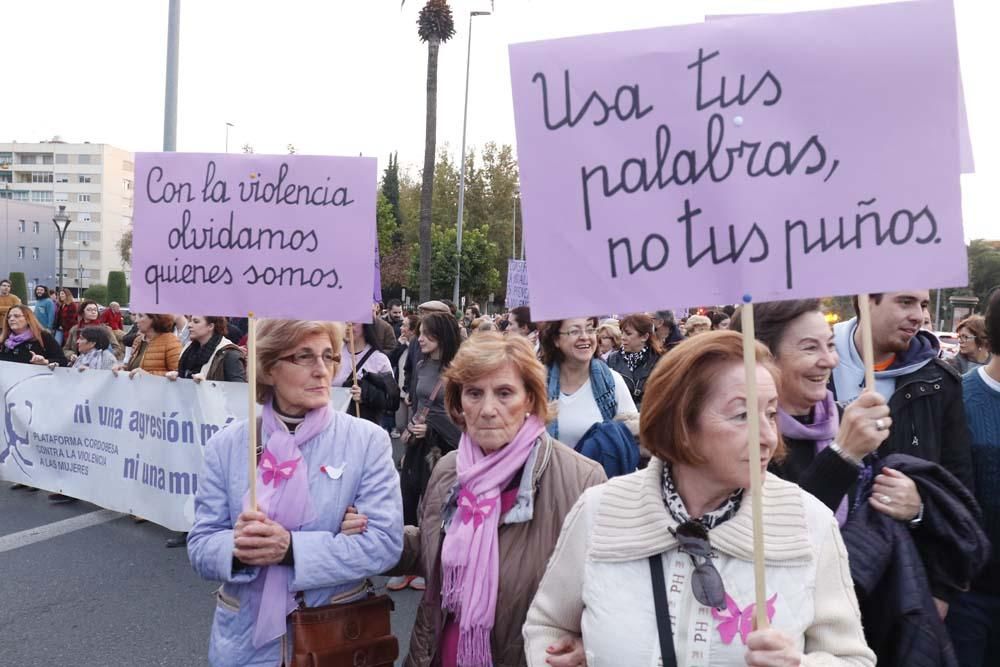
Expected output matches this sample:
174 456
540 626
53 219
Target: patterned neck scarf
724 512
634 359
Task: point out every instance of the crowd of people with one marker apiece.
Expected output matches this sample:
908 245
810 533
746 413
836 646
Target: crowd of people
574 492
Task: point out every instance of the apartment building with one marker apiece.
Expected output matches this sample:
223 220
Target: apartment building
29 243
93 181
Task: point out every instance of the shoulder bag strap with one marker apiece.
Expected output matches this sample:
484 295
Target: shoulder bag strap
662 611
349 381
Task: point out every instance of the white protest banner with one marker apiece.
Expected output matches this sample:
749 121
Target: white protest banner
134 446
517 283
786 156
283 236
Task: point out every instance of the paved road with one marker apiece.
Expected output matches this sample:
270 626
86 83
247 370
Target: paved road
105 595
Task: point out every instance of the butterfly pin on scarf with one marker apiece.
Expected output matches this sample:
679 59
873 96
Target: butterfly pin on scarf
274 472
736 621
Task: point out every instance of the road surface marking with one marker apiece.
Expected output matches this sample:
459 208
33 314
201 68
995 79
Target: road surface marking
50 530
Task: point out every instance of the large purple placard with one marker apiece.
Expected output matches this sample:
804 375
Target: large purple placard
783 156
276 235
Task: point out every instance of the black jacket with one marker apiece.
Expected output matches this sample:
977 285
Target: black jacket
634 380
897 571
826 475
928 419
48 348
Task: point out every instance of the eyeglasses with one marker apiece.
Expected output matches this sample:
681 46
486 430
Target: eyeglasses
966 338
707 585
577 332
308 359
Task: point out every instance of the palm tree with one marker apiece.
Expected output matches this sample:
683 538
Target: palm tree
435 26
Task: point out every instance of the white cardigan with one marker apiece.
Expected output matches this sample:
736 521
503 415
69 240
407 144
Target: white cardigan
598 584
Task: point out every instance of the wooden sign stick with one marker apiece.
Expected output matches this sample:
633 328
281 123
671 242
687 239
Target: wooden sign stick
867 349
252 393
753 440
354 366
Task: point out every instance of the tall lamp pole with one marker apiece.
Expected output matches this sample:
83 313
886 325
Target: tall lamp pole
461 180
64 219
228 125
170 96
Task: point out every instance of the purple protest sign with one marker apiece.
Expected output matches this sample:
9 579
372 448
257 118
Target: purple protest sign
783 156
276 235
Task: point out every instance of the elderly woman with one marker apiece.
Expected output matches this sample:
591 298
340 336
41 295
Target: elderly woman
609 339
156 350
314 462
492 510
209 355
824 449
686 520
23 340
94 347
638 354
697 324
973 346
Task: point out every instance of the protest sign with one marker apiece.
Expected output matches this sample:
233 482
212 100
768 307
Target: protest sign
134 446
517 283
276 235
784 156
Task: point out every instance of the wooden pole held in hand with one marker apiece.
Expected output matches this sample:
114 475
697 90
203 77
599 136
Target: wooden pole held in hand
252 393
354 366
867 349
756 482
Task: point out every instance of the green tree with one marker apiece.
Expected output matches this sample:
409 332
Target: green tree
435 26
97 292
19 286
117 288
125 247
390 186
480 276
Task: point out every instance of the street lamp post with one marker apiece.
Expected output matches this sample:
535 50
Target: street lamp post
61 217
461 181
228 125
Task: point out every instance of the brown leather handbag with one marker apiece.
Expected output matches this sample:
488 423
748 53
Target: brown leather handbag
357 634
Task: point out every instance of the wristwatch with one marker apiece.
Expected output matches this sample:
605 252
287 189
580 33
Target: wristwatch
915 522
844 455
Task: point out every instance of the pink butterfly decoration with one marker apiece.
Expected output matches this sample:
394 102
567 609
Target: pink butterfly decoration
273 472
734 620
473 509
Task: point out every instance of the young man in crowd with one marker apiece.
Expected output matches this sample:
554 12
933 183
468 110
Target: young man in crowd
45 309
395 316
7 300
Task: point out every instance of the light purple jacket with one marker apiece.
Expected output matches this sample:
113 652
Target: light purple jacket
327 565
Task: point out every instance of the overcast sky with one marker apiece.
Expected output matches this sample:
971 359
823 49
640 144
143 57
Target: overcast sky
346 77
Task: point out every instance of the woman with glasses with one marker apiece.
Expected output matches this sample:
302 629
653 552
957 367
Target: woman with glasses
89 318
313 464
640 350
973 347
669 549
586 390
23 340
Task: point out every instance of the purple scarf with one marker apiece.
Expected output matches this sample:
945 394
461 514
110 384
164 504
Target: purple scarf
470 556
822 430
13 340
283 495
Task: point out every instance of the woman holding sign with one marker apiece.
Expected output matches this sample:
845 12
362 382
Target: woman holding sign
313 463
666 554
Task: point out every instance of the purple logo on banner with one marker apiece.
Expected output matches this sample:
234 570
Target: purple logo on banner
783 156
276 235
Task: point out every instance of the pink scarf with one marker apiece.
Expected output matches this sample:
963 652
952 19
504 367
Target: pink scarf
283 495
470 556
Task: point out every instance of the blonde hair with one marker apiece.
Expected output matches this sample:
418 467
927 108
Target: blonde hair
611 330
486 353
278 338
697 324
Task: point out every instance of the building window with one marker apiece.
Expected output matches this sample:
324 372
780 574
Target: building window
6 176
62 178
34 226
41 196
83 217
47 159
22 226
28 158
61 197
20 195
34 253
83 158
126 185
128 165
20 252
82 197
85 178
62 158
41 177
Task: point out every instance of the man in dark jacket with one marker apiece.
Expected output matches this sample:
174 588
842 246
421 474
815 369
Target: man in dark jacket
897 568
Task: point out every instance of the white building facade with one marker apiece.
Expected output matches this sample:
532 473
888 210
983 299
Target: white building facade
93 181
